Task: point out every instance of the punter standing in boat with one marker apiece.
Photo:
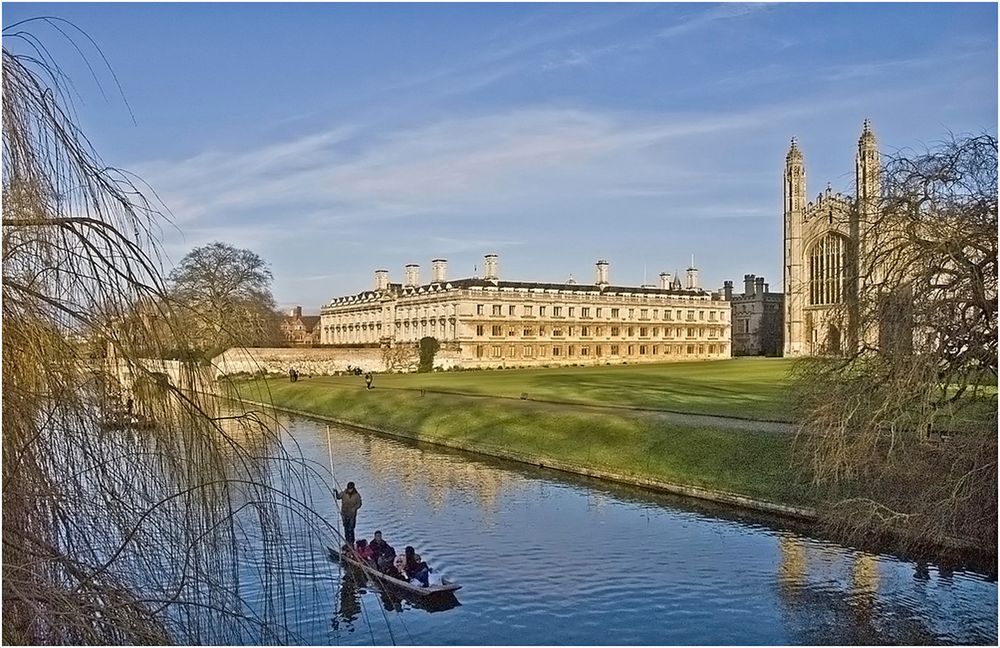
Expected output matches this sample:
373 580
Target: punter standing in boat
350 503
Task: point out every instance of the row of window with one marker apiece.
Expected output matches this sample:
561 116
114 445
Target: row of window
496 351
497 330
528 310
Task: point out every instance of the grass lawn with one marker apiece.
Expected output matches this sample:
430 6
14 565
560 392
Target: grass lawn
753 388
755 464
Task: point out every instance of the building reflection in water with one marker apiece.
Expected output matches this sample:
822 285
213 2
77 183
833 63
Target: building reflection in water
792 568
410 467
841 589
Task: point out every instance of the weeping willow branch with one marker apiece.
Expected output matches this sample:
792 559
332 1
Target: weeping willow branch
129 496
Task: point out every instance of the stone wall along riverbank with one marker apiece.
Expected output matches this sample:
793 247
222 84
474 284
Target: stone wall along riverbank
326 361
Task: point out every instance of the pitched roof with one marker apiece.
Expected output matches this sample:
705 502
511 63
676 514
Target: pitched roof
309 322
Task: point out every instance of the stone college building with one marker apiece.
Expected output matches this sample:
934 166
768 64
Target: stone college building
492 322
823 239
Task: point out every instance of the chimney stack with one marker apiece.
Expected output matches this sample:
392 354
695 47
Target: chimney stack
490 267
296 311
412 274
602 273
767 288
665 281
381 279
748 281
692 277
727 290
759 284
438 269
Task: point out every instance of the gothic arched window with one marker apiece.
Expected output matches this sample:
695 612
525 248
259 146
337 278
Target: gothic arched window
827 270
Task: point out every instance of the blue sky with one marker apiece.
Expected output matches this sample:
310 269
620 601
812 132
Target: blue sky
335 139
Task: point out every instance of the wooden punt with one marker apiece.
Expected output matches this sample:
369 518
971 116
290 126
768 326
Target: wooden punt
420 591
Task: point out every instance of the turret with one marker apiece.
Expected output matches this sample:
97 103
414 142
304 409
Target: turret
867 167
794 190
748 283
727 290
868 275
665 279
795 179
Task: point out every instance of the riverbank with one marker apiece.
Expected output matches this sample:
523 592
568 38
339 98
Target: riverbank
746 468
737 462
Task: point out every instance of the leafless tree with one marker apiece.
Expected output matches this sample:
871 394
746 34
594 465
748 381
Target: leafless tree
224 295
902 428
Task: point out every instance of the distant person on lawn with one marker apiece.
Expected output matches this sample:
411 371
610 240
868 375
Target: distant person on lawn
351 502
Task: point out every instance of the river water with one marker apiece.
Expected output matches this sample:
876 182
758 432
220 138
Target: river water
548 558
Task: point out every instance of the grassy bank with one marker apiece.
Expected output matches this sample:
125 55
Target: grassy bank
752 388
639 444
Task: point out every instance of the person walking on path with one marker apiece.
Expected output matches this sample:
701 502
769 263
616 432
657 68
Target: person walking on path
350 503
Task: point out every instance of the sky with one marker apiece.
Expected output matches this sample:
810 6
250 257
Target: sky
334 139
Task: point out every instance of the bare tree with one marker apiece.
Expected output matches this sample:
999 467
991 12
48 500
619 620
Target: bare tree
224 294
114 533
902 427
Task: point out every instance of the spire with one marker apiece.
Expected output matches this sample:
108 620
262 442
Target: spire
867 139
794 154
866 179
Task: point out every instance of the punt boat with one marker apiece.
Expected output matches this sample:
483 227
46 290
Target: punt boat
418 591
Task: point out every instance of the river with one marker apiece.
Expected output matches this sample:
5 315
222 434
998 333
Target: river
548 558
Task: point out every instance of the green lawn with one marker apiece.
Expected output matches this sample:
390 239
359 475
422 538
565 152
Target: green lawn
755 464
753 388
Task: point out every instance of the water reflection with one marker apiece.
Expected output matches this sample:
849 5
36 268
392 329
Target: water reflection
842 598
422 475
349 609
546 558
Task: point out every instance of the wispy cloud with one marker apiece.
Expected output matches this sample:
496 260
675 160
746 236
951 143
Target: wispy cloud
579 56
445 166
466 167
897 67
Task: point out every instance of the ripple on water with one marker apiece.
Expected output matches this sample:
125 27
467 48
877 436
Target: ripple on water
549 559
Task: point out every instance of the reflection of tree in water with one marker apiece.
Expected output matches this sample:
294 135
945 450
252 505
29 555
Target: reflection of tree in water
846 609
410 466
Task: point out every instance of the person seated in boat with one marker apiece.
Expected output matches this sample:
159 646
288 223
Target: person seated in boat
363 551
383 553
399 565
415 568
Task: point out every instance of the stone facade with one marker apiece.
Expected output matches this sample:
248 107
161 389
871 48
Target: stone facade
823 239
299 329
757 316
491 322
